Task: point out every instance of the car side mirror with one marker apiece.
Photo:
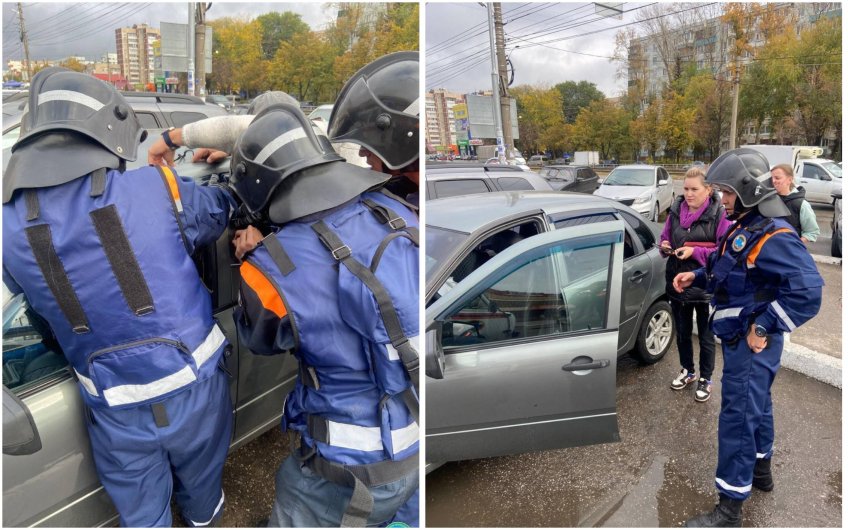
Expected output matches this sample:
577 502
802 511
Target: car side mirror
826 177
20 435
435 356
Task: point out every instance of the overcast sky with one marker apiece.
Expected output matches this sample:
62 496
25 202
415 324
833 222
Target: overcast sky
88 29
457 44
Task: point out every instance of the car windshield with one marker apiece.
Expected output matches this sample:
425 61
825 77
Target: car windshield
833 168
556 173
218 99
322 113
630 177
440 243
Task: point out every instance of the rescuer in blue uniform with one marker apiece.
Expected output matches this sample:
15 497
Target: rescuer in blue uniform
391 81
335 282
104 256
764 283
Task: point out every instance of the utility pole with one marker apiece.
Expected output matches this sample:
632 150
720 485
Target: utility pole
25 40
200 47
735 109
496 108
190 38
506 115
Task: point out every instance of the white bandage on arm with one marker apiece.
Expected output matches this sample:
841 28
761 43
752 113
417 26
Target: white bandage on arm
219 133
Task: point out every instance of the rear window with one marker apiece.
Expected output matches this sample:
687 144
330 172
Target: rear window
514 183
183 118
450 188
148 121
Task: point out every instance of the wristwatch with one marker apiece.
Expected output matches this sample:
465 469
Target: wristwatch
166 135
760 331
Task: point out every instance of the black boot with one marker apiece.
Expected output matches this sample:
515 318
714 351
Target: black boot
762 475
727 514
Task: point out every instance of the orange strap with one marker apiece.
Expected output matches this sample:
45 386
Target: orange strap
264 289
752 256
172 185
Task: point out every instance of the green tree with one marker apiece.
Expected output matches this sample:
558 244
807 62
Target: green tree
541 126
278 28
237 56
71 64
645 129
301 66
576 96
712 100
602 126
675 126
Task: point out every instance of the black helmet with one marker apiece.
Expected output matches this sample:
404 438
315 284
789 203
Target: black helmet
266 99
378 109
97 125
741 170
279 142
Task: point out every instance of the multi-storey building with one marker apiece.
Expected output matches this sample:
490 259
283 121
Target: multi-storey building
707 45
441 130
135 52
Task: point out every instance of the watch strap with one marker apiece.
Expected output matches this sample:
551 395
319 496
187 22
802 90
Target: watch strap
166 135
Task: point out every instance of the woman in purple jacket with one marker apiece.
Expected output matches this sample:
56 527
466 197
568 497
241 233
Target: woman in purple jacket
694 227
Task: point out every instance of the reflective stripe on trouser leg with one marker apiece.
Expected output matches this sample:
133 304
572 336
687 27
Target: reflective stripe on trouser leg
745 409
764 435
197 451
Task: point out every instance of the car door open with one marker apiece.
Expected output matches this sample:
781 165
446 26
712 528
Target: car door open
524 349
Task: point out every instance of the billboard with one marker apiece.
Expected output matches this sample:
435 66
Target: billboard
481 119
174 48
460 111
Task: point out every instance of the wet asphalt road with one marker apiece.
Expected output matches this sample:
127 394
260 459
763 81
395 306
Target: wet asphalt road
662 471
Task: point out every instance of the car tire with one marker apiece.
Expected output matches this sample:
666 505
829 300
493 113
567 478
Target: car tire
656 332
835 247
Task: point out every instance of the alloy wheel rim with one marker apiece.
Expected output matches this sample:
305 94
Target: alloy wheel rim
659 333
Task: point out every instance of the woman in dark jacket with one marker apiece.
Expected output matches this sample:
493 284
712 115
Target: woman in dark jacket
695 225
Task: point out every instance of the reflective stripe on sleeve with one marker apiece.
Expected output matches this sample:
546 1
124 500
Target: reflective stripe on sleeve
264 289
72 96
783 316
727 313
739 489
210 345
173 187
393 353
126 394
752 255
368 438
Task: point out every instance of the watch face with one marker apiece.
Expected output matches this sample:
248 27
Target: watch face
760 331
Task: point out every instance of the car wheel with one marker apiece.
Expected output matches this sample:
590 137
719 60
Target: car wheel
835 247
655 333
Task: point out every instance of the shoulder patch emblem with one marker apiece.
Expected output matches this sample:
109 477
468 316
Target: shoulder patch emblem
739 242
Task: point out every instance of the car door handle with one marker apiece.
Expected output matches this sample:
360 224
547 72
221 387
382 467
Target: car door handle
575 367
638 275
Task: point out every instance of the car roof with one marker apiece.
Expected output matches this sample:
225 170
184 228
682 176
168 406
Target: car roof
638 166
467 213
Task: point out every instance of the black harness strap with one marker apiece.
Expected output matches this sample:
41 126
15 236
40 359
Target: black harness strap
41 241
308 375
98 182
386 215
406 203
123 261
378 255
31 200
278 254
341 252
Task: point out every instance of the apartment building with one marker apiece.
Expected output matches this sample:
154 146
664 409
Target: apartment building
135 53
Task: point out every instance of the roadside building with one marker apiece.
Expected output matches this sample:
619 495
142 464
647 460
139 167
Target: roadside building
135 53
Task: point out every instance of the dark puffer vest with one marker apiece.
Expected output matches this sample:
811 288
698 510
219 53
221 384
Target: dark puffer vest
703 230
793 201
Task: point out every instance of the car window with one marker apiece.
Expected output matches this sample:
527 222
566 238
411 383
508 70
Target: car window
450 188
533 300
182 118
514 183
629 248
148 120
28 357
10 137
643 231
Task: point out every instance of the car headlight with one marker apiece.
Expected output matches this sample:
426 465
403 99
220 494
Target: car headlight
645 198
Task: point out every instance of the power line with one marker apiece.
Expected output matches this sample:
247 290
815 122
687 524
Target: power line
99 18
106 26
452 40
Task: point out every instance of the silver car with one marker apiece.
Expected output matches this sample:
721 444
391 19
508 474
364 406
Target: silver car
531 298
646 189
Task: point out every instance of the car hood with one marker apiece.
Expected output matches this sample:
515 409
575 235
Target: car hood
617 193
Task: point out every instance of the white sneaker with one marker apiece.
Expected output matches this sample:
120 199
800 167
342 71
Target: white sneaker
683 379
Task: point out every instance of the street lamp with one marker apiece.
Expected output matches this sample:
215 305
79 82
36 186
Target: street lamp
512 68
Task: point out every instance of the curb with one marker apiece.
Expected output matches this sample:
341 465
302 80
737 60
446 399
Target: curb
811 363
819 258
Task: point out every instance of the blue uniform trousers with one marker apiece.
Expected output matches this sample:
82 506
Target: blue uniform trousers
746 424
407 514
137 461
304 499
